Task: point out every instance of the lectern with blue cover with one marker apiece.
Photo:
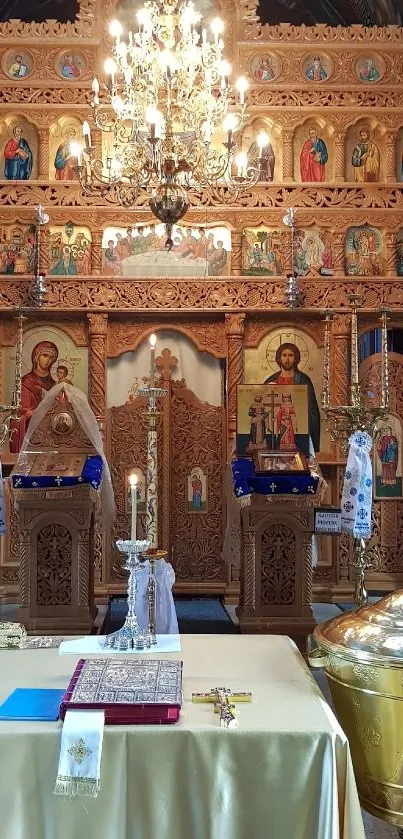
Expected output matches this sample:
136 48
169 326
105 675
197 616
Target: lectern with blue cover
55 485
276 484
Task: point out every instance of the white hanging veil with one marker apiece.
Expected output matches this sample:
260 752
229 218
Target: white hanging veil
87 420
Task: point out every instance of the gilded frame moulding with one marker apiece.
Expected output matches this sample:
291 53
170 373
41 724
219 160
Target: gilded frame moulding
227 294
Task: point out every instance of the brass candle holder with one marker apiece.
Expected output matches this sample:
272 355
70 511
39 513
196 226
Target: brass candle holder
358 415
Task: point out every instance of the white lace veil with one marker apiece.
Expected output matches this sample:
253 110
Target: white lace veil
88 422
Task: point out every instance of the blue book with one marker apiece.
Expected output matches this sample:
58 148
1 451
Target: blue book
34 704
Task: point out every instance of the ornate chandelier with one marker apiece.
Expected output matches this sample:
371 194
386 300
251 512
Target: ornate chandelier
168 93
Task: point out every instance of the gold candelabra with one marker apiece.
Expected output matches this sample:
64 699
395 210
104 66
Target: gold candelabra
8 413
357 415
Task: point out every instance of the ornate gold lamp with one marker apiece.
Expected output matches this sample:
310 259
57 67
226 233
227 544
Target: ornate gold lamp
357 415
168 93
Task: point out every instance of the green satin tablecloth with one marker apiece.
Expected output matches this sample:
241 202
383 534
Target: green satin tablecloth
285 773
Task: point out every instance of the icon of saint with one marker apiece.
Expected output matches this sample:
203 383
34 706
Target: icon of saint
313 158
34 385
366 159
288 357
17 157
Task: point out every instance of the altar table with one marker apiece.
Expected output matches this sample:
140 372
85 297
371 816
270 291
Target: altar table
284 773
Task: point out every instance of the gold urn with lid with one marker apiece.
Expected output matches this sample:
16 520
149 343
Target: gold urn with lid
362 654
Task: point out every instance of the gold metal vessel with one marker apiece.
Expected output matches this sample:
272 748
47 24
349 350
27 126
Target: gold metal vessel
362 654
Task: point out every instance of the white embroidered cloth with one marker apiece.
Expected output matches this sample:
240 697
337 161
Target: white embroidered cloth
166 622
356 498
79 770
87 420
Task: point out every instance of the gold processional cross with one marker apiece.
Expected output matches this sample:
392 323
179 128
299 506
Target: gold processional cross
223 699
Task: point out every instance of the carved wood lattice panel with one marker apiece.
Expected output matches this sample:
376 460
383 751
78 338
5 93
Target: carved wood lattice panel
191 434
197 440
278 548
54 557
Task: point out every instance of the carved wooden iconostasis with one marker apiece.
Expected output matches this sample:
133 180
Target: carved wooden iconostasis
217 302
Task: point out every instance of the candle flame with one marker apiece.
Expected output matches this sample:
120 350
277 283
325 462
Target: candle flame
153 340
133 480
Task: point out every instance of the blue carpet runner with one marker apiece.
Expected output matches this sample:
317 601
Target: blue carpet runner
196 615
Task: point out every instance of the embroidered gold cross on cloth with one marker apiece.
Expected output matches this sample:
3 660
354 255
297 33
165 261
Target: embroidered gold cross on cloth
224 701
79 770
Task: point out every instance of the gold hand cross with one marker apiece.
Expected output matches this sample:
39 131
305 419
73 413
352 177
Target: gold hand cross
224 703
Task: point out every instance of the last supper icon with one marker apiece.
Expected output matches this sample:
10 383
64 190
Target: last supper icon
273 418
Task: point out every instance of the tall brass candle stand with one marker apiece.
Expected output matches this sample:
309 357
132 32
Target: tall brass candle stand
153 393
358 415
8 413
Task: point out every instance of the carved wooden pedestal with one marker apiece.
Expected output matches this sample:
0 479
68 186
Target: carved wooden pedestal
276 568
56 533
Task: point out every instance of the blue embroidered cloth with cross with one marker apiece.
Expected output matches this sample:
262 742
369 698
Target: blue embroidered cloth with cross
91 473
246 482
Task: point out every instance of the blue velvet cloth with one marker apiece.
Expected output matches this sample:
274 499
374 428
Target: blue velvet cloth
91 474
247 482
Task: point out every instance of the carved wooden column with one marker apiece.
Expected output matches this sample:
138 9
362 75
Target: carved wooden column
98 327
390 241
96 251
338 243
43 154
340 377
391 166
288 156
234 327
44 250
339 161
286 251
236 252
340 374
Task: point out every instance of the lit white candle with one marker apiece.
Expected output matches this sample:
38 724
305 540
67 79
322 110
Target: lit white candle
153 341
133 491
262 141
77 152
242 86
116 29
241 161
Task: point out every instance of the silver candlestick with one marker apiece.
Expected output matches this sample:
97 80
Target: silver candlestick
130 636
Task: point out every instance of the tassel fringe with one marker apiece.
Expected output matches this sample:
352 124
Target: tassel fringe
70 787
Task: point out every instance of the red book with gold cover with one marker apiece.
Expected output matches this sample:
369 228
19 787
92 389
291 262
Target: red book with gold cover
129 690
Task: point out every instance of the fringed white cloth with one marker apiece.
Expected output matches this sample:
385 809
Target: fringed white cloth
88 422
3 528
356 499
79 770
166 622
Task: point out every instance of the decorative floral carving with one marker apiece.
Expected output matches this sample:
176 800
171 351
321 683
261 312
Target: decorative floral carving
54 559
278 548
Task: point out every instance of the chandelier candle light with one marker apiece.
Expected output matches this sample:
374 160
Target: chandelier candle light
168 95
